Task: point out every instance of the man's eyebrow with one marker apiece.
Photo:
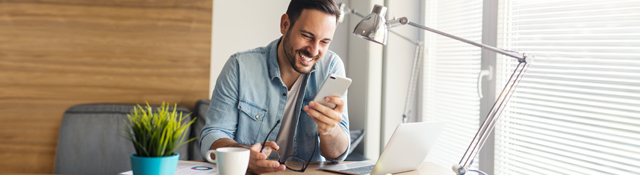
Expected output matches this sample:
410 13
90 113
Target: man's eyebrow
313 36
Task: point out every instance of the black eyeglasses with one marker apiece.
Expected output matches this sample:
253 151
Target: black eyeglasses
293 163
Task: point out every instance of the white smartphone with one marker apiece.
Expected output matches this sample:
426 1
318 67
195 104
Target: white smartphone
333 86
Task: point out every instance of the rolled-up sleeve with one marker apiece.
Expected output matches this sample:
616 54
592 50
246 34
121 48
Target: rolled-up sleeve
221 119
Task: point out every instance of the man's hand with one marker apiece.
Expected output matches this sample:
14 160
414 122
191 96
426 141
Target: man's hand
258 163
333 140
326 118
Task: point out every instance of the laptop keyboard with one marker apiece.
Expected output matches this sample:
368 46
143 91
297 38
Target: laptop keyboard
360 170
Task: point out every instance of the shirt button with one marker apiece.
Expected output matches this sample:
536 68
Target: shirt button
257 117
284 94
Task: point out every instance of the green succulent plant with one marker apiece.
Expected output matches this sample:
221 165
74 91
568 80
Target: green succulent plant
156 133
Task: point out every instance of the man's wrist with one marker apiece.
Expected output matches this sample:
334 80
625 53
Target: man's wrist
337 138
329 131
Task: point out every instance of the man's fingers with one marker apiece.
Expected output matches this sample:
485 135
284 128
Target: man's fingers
258 163
336 100
316 116
320 108
326 118
268 170
325 111
255 152
256 147
272 144
325 124
267 163
266 166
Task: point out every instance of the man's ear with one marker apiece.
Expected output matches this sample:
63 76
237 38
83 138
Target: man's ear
284 23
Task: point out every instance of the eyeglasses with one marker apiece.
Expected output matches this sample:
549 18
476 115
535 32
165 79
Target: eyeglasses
293 163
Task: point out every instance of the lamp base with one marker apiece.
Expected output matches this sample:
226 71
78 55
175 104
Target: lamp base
459 169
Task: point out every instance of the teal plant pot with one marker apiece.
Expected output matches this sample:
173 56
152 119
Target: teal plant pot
154 165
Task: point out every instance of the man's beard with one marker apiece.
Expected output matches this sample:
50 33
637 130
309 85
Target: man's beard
290 54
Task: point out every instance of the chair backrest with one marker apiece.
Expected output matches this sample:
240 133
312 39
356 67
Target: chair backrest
92 141
356 137
200 112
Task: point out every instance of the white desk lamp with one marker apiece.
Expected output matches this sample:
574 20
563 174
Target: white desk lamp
417 55
374 27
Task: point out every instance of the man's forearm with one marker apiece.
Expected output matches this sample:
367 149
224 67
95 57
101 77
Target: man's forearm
334 144
226 142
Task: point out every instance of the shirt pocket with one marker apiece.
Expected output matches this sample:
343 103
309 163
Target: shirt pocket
254 112
249 122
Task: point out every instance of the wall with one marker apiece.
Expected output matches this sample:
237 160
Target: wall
365 69
58 53
242 25
397 64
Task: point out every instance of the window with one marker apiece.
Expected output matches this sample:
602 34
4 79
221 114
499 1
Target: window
450 76
577 110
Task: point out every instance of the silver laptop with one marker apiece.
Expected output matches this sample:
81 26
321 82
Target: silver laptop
405 151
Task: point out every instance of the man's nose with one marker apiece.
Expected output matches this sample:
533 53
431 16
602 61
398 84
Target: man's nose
313 49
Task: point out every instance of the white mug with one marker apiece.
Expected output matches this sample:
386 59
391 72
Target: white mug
230 160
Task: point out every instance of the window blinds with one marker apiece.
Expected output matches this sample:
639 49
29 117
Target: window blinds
577 110
450 76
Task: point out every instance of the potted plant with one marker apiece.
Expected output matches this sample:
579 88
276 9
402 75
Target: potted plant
155 135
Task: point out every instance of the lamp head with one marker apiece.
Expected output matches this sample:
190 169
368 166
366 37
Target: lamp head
373 26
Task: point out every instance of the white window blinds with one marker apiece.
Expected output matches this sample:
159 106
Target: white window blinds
450 76
577 110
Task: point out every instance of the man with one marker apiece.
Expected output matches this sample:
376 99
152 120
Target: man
258 87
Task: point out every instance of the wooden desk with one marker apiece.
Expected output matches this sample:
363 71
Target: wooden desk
427 168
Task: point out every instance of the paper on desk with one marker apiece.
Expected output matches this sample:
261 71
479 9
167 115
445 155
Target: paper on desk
190 168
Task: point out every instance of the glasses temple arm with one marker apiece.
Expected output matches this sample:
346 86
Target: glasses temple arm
265 139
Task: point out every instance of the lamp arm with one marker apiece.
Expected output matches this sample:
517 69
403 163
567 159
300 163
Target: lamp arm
521 58
488 125
353 11
413 80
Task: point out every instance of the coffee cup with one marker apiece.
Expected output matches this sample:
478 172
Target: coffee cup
230 160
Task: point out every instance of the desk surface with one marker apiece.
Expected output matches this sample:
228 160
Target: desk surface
427 168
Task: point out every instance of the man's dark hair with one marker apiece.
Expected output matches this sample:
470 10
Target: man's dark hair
326 6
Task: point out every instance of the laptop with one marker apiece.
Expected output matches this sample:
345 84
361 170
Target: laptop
405 151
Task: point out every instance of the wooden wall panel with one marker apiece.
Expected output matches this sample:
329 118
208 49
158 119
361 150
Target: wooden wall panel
58 53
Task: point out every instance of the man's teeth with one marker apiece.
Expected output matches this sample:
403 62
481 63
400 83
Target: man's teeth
305 58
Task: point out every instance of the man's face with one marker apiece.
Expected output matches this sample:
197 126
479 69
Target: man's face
307 41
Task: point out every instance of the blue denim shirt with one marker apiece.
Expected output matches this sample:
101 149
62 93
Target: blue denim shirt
249 97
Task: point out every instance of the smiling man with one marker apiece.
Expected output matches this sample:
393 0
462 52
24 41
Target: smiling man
260 87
